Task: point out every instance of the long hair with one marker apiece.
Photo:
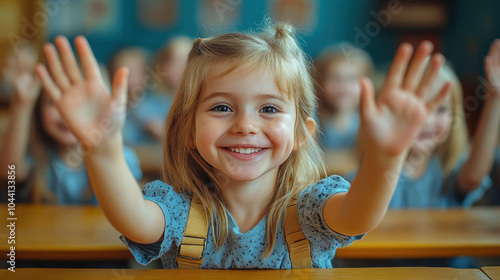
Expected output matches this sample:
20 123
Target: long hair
276 50
456 143
39 144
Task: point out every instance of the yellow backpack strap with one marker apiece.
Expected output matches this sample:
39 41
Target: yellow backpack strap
298 244
194 239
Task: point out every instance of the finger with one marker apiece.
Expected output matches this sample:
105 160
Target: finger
48 85
492 73
89 63
432 104
398 67
427 83
55 66
367 98
417 66
496 54
120 83
68 59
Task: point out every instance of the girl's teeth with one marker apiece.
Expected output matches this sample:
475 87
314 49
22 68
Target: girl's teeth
245 151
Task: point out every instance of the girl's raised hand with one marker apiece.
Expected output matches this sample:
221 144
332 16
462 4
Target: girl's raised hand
90 111
492 68
391 123
26 85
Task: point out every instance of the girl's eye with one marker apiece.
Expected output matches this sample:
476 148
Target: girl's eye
269 109
221 108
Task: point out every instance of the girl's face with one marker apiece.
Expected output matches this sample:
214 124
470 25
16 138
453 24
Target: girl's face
436 129
244 126
341 87
53 124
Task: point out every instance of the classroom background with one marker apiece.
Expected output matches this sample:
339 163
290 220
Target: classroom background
462 30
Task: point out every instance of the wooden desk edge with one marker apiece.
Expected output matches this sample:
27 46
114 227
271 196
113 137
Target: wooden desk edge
493 272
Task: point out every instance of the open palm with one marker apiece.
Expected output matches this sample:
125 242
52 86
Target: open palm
391 123
84 101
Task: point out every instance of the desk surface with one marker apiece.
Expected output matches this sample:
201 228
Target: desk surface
492 271
401 273
83 233
431 233
62 232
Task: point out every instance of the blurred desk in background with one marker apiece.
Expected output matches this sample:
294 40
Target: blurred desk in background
387 273
341 162
55 232
492 271
52 232
429 233
151 157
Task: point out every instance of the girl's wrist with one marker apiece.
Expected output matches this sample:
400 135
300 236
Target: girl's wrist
103 146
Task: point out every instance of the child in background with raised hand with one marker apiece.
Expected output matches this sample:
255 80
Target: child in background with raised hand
48 160
440 171
241 141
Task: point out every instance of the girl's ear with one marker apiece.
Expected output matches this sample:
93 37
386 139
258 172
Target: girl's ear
311 128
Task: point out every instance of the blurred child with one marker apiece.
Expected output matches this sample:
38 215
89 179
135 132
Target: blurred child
169 64
171 61
240 153
437 172
338 69
437 157
145 111
48 163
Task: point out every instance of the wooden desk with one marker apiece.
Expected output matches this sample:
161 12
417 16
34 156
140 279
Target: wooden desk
340 162
151 157
54 232
82 233
388 273
493 272
431 233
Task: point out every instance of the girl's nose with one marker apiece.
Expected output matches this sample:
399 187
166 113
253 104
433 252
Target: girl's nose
245 124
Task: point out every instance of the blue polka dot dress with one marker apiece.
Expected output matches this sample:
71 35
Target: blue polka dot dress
244 250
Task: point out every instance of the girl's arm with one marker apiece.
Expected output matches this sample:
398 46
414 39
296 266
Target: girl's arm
388 128
96 118
483 145
15 145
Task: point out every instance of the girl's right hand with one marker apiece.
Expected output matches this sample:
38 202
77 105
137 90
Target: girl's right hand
92 114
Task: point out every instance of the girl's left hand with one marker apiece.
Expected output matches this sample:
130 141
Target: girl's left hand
390 124
492 68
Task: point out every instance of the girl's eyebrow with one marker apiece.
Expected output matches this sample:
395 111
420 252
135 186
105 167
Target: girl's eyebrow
260 96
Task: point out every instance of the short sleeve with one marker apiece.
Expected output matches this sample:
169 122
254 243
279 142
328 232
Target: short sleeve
310 206
175 208
133 162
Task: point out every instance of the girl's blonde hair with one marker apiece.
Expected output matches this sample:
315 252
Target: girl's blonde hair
274 50
456 143
343 52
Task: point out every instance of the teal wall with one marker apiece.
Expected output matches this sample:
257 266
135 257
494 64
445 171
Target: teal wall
472 26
